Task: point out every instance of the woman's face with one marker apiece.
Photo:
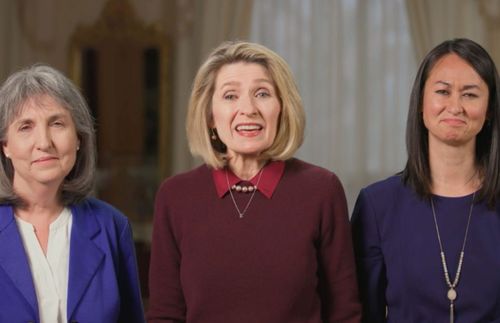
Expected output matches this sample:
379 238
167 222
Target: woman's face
245 109
41 144
455 102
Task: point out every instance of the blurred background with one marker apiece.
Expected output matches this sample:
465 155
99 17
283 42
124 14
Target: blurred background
354 62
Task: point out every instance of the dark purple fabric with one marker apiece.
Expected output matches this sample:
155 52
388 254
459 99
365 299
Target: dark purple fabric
288 260
399 264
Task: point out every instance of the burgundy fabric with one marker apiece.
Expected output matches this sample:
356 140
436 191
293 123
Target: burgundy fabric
289 259
270 178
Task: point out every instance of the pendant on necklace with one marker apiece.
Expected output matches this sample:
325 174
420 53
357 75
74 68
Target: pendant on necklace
452 294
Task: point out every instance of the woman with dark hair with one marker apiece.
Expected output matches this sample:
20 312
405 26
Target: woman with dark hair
426 240
254 235
64 257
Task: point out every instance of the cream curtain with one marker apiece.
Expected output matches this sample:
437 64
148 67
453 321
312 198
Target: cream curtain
204 25
490 14
433 21
354 63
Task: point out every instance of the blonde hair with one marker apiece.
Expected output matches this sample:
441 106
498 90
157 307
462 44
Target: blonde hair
291 123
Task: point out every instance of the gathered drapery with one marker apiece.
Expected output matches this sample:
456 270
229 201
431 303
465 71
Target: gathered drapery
354 64
432 22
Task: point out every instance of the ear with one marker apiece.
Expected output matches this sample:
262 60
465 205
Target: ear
5 149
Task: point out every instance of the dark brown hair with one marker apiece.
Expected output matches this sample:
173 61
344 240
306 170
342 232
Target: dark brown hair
417 171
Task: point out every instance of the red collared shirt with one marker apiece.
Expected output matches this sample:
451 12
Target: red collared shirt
271 175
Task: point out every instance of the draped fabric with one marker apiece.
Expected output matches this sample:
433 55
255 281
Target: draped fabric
354 64
432 22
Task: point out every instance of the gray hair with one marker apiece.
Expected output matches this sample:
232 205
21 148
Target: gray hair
32 82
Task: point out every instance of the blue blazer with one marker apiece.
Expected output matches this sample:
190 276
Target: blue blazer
103 283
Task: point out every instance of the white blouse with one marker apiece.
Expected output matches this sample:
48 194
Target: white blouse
50 272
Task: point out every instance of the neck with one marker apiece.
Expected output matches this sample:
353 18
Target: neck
453 169
245 168
43 204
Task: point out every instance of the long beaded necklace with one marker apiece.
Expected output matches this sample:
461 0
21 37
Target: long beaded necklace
242 213
452 292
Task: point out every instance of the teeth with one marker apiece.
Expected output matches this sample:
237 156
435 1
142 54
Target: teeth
248 127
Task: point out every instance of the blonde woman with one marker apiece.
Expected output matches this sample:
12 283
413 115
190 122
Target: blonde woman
254 235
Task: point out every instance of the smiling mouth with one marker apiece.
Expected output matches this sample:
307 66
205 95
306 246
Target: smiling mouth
248 127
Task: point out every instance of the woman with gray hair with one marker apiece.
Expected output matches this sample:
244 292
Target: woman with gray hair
65 257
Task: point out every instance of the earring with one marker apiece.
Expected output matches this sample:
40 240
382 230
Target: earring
213 134
216 143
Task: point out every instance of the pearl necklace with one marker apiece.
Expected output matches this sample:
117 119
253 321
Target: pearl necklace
240 213
452 293
244 189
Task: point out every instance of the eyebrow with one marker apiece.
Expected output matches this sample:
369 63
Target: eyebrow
254 81
51 118
464 88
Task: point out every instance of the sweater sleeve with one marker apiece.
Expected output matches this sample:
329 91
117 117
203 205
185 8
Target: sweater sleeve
337 274
369 260
166 297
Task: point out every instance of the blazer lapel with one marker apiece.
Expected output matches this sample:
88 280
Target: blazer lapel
85 257
13 259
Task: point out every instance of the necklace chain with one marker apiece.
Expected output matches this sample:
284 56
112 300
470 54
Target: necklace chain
452 293
242 213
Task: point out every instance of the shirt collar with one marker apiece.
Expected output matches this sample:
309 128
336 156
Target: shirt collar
271 175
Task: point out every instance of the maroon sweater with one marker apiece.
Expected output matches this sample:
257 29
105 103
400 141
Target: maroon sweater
289 259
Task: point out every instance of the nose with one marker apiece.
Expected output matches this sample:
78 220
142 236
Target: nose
247 106
44 139
454 105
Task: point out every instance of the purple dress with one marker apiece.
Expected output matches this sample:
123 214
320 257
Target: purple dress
398 261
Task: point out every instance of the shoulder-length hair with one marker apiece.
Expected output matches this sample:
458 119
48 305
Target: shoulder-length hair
417 171
32 82
291 122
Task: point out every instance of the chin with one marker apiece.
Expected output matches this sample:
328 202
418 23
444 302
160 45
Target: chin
455 141
50 179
